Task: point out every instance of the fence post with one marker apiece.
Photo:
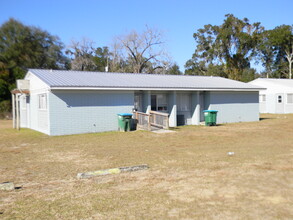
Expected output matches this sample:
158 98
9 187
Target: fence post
167 122
149 121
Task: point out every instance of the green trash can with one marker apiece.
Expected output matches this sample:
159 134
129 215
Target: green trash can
124 120
210 117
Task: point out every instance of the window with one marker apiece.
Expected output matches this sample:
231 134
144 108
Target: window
162 102
183 102
280 99
290 98
159 102
43 101
262 98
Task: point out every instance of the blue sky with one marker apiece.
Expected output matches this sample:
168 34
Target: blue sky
102 20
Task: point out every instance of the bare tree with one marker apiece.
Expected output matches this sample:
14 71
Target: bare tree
117 59
81 53
144 51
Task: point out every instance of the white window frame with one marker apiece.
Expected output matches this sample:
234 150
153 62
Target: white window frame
291 101
42 101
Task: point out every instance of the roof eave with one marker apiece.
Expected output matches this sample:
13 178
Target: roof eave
154 88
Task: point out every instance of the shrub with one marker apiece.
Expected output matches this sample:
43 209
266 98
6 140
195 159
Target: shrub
5 109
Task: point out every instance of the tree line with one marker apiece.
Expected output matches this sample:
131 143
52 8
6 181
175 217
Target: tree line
228 50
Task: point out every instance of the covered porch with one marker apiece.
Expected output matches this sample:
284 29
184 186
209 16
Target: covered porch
169 108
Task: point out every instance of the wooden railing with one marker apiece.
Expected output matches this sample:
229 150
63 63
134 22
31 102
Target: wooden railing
159 119
154 118
143 120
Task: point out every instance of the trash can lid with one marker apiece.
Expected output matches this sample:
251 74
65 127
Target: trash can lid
210 111
125 114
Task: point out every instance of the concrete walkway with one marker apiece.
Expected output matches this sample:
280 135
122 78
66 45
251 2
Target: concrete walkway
162 131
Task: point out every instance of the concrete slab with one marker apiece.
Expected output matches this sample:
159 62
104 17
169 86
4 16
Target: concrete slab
162 131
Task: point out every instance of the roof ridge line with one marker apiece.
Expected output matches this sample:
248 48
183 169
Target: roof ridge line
147 74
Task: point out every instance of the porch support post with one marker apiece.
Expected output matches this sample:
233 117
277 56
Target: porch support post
147 99
13 110
17 112
173 109
195 103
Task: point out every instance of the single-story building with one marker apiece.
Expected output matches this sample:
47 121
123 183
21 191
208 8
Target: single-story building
59 102
278 96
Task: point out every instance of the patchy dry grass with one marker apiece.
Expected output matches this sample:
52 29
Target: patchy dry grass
191 175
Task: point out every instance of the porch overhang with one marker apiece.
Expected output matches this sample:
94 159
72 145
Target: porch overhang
20 91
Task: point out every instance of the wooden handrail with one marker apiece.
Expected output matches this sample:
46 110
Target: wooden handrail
159 113
141 113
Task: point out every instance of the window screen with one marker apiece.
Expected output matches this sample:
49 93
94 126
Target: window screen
43 101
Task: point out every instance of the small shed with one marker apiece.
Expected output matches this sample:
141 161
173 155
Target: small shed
60 102
277 98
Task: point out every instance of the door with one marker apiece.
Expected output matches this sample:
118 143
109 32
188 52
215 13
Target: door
279 99
154 105
23 111
138 102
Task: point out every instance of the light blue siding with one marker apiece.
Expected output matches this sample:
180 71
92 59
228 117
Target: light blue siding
78 112
234 106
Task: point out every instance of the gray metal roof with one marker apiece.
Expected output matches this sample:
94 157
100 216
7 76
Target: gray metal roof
64 78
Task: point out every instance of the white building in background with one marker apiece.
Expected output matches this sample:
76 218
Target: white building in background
278 96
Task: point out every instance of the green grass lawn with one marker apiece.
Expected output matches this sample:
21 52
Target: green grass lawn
190 176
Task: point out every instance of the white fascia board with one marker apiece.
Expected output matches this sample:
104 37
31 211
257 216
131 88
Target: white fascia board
28 76
154 89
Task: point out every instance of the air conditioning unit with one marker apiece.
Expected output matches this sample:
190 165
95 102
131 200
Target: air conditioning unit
23 84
